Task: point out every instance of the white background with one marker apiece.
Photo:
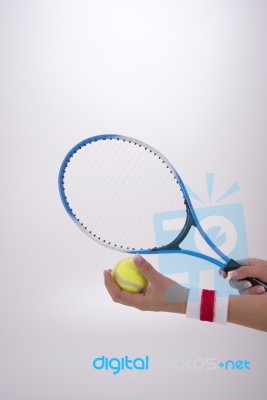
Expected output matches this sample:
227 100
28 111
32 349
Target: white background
188 77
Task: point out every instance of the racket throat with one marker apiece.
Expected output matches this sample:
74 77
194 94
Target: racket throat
175 244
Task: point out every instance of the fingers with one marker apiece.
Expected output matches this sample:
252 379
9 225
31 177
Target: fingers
250 267
244 285
137 300
147 270
238 277
254 290
162 293
245 271
240 285
122 296
253 269
222 273
249 261
245 261
240 273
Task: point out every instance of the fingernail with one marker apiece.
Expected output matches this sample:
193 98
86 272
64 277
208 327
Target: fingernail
260 289
247 285
233 274
138 259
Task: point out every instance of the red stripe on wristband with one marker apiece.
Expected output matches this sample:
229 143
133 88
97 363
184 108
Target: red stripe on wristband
207 305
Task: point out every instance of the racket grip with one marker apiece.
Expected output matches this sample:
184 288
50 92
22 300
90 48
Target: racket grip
232 265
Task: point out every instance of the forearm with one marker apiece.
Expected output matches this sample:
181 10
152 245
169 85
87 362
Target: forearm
164 294
250 311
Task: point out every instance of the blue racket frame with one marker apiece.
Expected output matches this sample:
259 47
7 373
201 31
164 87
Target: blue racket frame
227 265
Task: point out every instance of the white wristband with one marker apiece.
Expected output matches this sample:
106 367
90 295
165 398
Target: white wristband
207 305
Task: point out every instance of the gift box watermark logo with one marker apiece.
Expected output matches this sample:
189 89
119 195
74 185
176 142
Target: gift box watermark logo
223 223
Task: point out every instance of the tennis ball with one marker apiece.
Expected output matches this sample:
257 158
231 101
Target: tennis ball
128 277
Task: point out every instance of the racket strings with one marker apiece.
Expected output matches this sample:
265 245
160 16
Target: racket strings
86 173
125 192
121 185
115 187
146 206
106 185
142 202
83 176
148 184
99 184
140 180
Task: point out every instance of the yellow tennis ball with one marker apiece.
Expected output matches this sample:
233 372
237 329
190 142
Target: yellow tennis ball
128 277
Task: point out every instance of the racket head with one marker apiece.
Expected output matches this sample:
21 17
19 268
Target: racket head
112 186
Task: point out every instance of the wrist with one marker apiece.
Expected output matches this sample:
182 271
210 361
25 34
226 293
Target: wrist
176 297
207 305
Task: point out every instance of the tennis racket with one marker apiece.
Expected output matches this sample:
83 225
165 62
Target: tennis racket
112 186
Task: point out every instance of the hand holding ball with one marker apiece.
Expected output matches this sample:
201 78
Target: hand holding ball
128 277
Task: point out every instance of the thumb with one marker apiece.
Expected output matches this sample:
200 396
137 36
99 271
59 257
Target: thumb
243 272
145 268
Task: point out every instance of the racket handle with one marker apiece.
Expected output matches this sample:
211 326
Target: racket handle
232 265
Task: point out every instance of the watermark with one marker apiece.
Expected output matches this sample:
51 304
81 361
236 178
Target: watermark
116 365
200 364
223 223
